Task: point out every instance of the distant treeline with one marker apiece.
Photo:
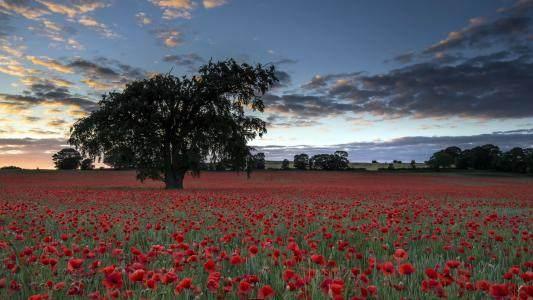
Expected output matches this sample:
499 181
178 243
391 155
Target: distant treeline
486 157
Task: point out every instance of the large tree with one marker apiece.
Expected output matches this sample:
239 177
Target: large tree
173 124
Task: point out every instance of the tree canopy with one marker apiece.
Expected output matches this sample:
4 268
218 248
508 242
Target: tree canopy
67 159
169 125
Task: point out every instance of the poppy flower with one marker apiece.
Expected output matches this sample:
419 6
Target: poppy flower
74 264
387 268
113 280
406 269
499 290
266 292
137 275
400 254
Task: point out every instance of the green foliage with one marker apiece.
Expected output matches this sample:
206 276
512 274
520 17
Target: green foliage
169 125
67 159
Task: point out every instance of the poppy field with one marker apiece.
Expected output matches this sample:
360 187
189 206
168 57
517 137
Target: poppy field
277 235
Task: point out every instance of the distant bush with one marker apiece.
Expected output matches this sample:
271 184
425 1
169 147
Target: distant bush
11 168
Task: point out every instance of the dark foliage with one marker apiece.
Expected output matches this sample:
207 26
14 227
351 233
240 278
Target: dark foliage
285 164
486 157
301 161
336 161
87 164
67 159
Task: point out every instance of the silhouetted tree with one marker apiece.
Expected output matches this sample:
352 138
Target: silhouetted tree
259 161
301 161
120 158
285 164
514 160
484 157
67 159
87 164
440 159
413 164
171 124
336 161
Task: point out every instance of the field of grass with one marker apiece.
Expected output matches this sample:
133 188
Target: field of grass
278 235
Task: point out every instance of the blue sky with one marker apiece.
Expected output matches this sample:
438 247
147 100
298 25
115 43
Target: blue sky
353 71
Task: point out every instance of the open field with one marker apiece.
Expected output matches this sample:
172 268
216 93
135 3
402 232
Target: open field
283 235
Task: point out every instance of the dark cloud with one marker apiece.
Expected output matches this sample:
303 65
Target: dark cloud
43 92
490 86
320 81
190 61
404 58
303 106
284 78
105 74
508 29
418 148
89 67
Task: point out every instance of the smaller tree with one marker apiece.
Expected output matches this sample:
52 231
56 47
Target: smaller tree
87 164
301 161
413 164
67 159
440 159
285 164
259 161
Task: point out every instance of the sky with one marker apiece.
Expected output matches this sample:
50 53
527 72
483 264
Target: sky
380 79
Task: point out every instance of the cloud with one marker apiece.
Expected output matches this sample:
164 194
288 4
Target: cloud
170 37
143 19
23 8
482 33
304 106
214 3
173 9
49 63
97 26
57 33
491 86
190 61
105 74
45 93
12 67
77 7
418 148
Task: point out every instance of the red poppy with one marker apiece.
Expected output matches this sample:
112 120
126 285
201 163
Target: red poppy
266 292
406 269
137 275
499 290
387 268
74 264
113 280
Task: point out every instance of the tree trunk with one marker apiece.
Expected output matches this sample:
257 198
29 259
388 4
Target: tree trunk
174 180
